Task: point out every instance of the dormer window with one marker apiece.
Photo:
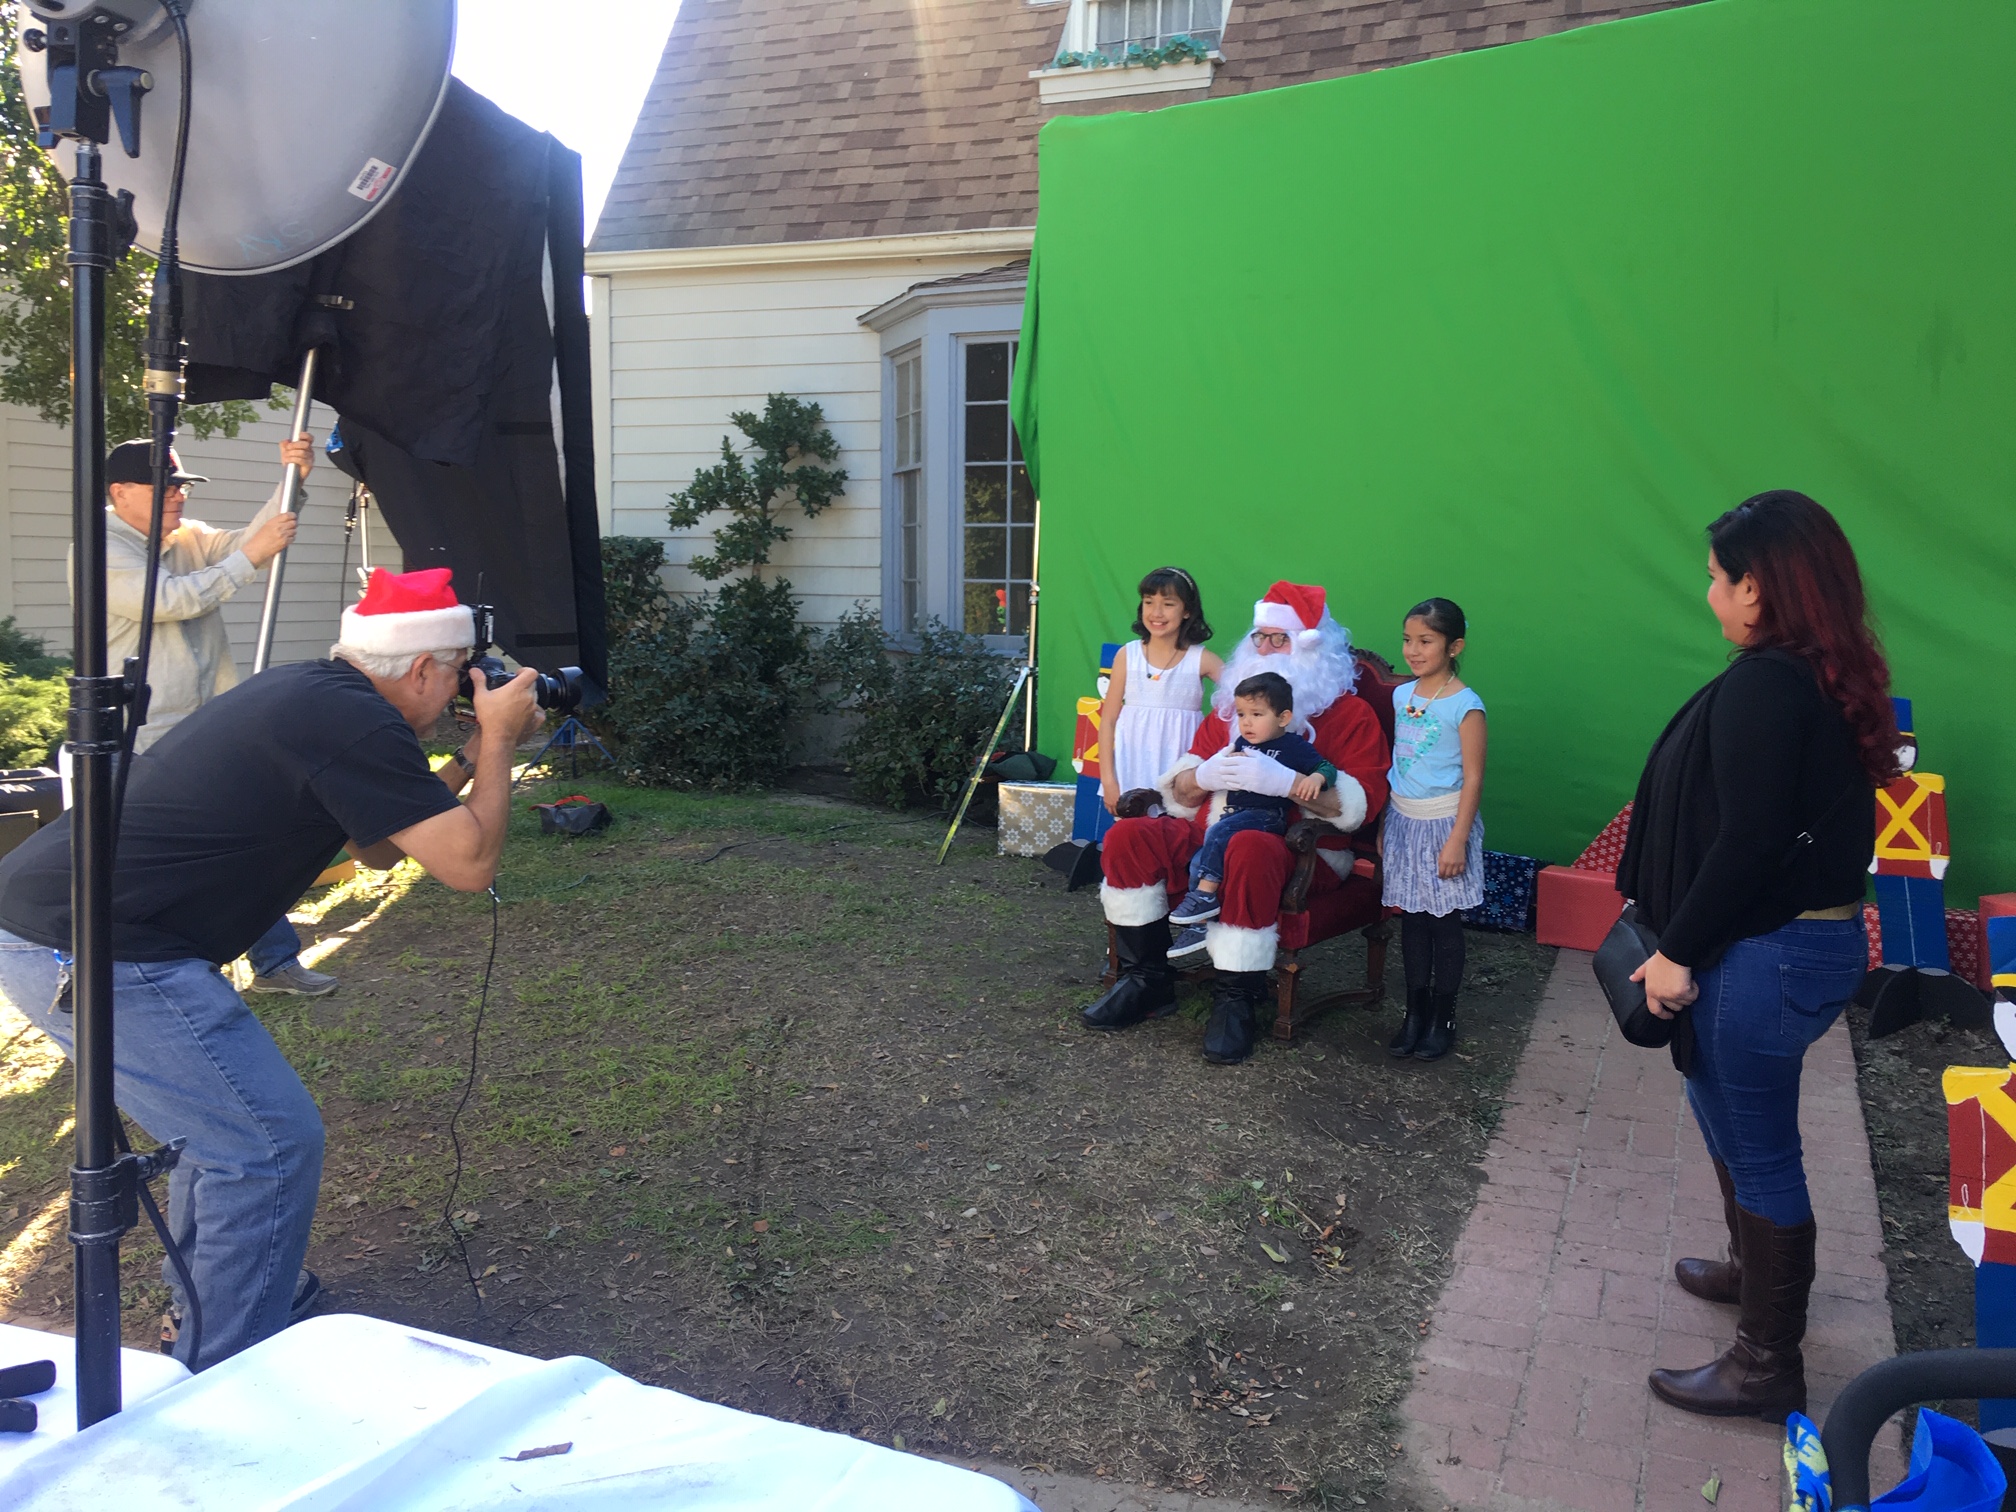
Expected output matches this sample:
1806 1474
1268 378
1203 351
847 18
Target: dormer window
1124 47
1116 28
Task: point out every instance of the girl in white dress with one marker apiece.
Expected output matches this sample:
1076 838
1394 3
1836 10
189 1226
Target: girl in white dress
1155 698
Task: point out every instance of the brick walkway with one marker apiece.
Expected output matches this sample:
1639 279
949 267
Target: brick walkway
1530 1391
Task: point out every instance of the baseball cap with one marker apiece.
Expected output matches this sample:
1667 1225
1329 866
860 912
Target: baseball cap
132 462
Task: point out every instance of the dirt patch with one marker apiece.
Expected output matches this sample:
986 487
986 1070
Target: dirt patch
773 1111
1931 1280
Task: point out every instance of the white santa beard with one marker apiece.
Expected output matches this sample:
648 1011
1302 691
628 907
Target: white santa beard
1318 674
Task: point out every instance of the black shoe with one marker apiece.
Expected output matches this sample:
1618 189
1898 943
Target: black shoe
1146 986
1408 1037
1230 1035
1439 1038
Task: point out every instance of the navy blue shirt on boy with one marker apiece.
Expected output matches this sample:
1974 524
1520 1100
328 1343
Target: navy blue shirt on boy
1293 752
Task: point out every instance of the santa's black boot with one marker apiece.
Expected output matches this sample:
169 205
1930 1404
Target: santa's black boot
1236 997
1146 986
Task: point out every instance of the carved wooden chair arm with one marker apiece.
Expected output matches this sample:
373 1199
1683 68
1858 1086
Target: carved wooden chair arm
1135 803
1301 837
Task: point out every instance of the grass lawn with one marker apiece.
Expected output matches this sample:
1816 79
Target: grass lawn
773 1111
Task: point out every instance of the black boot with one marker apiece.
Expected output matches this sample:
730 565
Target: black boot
1763 1374
1717 1280
1413 1026
1146 987
1235 1010
1439 1038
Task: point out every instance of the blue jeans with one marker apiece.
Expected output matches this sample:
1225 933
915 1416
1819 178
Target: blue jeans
275 948
1209 862
1760 1006
191 1060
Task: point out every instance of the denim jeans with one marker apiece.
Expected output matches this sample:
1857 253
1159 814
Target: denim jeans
1210 858
1760 1006
190 1060
275 948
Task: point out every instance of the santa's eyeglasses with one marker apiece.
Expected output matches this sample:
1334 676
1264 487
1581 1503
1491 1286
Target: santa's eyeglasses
1270 640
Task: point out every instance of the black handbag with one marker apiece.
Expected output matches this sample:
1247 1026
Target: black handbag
1631 943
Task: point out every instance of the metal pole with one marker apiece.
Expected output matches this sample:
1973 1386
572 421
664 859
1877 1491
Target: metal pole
1035 591
290 502
95 700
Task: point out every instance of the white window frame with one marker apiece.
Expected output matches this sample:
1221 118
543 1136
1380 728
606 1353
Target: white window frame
1078 30
906 492
1057 86
936 326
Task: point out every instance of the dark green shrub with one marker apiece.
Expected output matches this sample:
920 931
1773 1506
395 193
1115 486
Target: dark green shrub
34 698
924 714
702 689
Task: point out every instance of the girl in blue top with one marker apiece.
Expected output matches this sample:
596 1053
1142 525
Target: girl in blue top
1432 838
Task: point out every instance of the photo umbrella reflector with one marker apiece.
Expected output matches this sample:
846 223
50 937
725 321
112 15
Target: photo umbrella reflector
284 92
304 116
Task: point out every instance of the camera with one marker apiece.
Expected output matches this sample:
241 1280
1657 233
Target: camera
554 690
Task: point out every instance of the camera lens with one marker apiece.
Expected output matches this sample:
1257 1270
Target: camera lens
560 691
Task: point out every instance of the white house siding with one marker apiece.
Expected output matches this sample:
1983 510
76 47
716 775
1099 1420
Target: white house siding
35 530
686 337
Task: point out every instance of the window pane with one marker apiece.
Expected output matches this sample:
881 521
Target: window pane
986 552
904 373
908 487
909 622
986 433
906 437
985 611
1021 551
1022 498
1018 608
987 371
986 496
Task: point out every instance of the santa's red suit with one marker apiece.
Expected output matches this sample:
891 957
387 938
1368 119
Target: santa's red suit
1147 860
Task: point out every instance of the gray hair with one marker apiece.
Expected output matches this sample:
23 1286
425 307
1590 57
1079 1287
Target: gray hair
393 665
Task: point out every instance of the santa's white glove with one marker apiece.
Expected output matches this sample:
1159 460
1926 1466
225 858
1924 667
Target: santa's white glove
1211 773
1257 772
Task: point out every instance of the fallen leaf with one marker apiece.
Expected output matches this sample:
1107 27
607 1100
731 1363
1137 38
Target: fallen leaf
1273 1254
729 1160
544 1452
940 1407
761 1225
619 1150
1712 1489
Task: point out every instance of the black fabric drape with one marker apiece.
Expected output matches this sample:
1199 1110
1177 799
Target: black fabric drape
442 363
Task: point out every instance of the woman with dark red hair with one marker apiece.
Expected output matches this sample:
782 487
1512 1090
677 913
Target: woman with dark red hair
1748 854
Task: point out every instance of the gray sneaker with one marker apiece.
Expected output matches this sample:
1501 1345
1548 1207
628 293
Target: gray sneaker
294 978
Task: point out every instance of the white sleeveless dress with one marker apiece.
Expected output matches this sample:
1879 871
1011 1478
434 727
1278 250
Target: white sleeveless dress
1159 718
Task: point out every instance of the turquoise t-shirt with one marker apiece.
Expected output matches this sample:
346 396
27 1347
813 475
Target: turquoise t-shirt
1427 755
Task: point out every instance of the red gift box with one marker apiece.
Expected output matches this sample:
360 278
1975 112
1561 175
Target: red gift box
1575 907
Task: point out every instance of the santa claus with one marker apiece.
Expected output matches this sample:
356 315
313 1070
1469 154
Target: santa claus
1147 859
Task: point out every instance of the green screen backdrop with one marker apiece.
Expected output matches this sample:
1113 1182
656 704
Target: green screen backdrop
1513 326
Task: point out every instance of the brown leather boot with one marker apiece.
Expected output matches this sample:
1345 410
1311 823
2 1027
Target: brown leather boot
1763 1373
1717 1280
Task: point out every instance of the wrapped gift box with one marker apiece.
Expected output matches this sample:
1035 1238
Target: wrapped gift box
1576 907
1508 894
1035 816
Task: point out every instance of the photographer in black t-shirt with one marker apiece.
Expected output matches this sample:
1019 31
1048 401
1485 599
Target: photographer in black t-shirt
228 820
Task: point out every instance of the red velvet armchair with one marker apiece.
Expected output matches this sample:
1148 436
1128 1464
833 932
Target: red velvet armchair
1307 919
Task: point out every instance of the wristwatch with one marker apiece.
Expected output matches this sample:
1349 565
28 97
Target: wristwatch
462 761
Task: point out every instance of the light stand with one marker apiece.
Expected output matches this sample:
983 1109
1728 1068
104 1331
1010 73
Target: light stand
88 91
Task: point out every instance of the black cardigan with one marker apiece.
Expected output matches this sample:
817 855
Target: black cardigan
1749 762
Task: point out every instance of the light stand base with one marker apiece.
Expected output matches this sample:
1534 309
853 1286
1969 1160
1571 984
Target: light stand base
569 738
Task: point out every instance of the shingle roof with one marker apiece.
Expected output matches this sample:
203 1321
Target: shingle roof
799 120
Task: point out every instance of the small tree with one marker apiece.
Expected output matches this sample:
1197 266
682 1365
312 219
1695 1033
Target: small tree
35 285
788 440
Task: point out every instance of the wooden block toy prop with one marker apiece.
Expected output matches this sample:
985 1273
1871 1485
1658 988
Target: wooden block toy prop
1981 1192
1574 906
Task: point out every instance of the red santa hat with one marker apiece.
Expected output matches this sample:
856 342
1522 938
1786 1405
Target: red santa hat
406 613
1294 607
